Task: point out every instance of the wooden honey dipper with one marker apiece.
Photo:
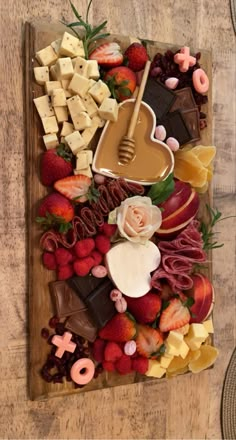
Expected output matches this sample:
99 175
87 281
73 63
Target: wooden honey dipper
127 146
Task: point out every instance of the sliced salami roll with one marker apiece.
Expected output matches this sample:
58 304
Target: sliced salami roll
49 241
176 264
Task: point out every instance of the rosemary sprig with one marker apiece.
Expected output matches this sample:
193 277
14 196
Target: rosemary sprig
206 229
91 34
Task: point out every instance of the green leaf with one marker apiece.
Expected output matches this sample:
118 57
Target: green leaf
97 29
124 91
77 15
159 352
160 191
165 304
189 302
98 37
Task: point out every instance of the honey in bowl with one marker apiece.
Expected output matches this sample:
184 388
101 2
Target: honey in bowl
153 161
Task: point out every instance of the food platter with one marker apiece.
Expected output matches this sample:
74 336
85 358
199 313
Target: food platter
38 36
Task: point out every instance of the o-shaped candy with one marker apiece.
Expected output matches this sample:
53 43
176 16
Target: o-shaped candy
87 375
200 81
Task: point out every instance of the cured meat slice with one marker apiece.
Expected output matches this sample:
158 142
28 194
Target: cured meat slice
89 222
49 241
176 264
176 282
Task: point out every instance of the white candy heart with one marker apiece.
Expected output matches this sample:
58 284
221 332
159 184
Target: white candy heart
129 266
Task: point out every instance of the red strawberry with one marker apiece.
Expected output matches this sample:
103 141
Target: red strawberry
174 316
49 261
112 352
97 256
137 56
55 164
108 366
149 341
124 365
98 350
65 272
108 230
83 248
56 209
82 266
74 187
119 329
108 55
63 256
102 243
121 82
140 364
146 308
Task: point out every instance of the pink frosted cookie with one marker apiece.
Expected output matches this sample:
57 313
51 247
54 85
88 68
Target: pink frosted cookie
79 377
64 344
200 81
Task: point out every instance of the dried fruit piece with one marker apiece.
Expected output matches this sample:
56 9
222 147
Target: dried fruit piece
208 355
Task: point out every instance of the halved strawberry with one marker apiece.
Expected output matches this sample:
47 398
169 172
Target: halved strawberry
149 341
78 188
108 55
174 316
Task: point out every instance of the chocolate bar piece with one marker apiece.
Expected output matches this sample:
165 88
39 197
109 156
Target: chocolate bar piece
176 127
184 100
65 300
159 97
83 286
82 324
100 306
192 120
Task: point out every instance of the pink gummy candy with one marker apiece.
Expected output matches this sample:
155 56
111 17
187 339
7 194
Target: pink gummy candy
184 59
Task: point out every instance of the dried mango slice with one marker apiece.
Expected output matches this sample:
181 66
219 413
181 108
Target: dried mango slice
189 168
177 372
204 154
208 355
179 363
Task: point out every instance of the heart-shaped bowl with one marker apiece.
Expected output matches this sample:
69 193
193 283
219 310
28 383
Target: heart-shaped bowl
153 160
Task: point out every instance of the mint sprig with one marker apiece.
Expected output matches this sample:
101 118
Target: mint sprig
207 229
160 191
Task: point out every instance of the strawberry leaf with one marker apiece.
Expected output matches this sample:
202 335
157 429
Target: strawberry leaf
159 352
124 91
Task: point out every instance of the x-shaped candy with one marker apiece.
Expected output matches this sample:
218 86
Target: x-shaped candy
64 344
184 59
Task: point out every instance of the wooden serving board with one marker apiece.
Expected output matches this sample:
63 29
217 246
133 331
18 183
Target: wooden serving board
38 36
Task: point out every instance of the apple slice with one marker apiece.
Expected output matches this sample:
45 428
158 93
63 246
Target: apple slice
203 294
129 266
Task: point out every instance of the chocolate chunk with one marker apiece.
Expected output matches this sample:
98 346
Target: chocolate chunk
65 300
100 306
82 324
176 127
192 120
159 97
184 100
83 286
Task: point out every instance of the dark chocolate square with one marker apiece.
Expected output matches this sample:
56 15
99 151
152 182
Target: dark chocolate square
65 300
159 97
192 120
184 100
100 306
176 127
83 286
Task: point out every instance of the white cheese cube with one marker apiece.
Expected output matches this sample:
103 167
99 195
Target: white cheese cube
75 105
90 105
93 70
58 98
89 133
75 141
155 369
86 172
46 56
79 85
171 350
62 140
183 350
64 68
81 160
81 66
183 330
108 110
71 46
56 45
175 339
193 345
91 82
99 91
165 361
65 83
81 121
61 114
99 121
44 106
89 155
54 73
41 74
208 326
50 141
197 332
67 128
50 124
51 85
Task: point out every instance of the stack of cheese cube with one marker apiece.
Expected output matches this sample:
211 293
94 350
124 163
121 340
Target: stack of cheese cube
179 344
76 102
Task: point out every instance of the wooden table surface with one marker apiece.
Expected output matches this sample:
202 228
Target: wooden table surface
181 408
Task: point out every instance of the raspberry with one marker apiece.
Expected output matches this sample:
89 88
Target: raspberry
97 256
102 243
65 272
108 230
112 352
82 266
63 256
49 261
124 365
98 350
108 366
83 248
140 364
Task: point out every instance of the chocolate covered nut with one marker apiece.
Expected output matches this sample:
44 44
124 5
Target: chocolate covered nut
65 300
82 325
159 97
